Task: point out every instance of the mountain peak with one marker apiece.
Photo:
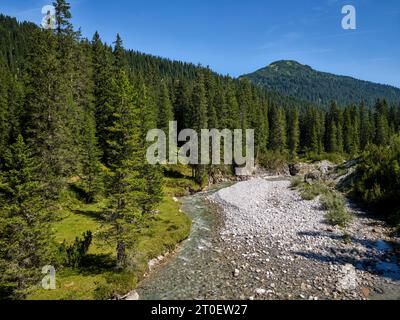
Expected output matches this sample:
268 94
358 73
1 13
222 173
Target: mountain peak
287 64
291 78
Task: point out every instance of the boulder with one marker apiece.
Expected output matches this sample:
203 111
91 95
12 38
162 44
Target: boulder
294 169
313 176
132 296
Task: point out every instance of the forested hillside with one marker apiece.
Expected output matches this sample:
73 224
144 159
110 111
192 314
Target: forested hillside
291 78
74 114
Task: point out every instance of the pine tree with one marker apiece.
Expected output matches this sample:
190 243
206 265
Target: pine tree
4 109
165 109
46 113
200 121
24 233
366 130
293 133
277 129
92 175
381 123
348 133
125 184
333 130
182 105
102 74
63 16
231 112
152 191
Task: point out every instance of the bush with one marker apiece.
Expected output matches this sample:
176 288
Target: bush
72 255
296 183
274 161
339 217
331 157
311 191
116 285
336 207
332 201
378 178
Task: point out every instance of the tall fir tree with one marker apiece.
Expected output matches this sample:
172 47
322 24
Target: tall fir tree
293 133
165 108
200 121
125 183
277 129
381 123
24 228
102 75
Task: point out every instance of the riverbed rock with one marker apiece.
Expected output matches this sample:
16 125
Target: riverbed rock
312 177
132 296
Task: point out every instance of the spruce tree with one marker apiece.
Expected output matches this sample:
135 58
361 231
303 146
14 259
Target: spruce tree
24 232
200 121
46 113
293 133
381 123
277 129
4 109
125 183
165 109
102 75
366 130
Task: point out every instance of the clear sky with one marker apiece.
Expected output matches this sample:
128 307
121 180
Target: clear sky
240 36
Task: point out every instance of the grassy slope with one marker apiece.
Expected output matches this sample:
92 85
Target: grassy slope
161 234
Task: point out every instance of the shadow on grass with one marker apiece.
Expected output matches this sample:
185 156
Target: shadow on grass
97 264
96 215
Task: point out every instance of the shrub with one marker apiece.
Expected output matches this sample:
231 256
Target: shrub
331 157
274 160
311 191
332 201
72 255
338 217
337 213
116 285
296 182
378 178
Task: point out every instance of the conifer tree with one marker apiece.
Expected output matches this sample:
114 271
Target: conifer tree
152 191
182 111
293 133
165 109
277 129
24 233
366 129
4 109
46 113
125 184
200 121
63 16
102 74
381 123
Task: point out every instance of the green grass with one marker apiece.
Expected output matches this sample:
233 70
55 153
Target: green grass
96 279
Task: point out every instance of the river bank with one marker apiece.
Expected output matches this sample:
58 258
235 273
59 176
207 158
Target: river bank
265 242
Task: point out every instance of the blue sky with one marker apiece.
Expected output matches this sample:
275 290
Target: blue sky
239 36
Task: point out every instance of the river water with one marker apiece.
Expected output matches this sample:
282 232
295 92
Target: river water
191 273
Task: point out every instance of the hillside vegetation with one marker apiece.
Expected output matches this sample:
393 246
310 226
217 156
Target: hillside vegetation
293 79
